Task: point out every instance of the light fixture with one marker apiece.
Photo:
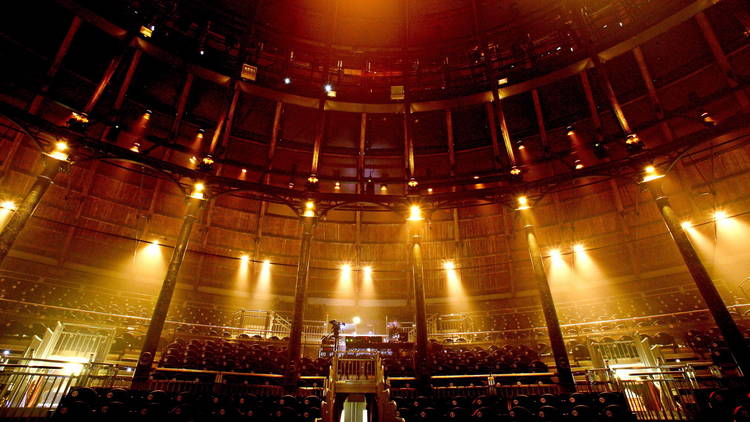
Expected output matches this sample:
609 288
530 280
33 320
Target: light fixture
521 146
198 189
384 188
579 164
337 186
367 272
59 151
515 171
449 265
313 179
523 203
244 171
147 114
650 173
429 190
244 259
570 130
415 213
633 143
578 248
356 320
686 225
287 80
136 147
291 184
78 121
147 31
155 242
555 253
720 215
309 209
266 262
8 205
328 88
412 183
193 160
707 119
476 177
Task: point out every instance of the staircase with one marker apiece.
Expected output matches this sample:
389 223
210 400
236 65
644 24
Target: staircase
360 374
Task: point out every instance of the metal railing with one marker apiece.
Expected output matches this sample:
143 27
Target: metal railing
31 388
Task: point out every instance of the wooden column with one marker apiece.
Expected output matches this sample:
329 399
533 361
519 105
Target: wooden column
416 229
361 154
539 116
611 96
181 103
721 59
652 95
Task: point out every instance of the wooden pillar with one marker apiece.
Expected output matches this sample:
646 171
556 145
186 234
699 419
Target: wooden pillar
539 116
416 229
721 59
611 96
652 95
181 103
361 154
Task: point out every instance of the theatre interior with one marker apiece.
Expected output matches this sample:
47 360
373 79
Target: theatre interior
375 210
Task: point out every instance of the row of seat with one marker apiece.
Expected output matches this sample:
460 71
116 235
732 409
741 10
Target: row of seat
120 405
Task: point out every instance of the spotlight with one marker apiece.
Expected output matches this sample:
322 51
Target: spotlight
313 179
337 186
147 114
476 177
415 213
686 225
136 147
555 253
429 190
78 121
412 183
651 174
244 259
521 146
309 209
367 272
523 203
570 130
328 88
198 189
58 153
206 164
266 262
578 248
291 184
579 164
633 143
600 150
383 188
244 171
8 205
449 265
155 242
147 31
707 119
720 215
515 171
287 80
356 320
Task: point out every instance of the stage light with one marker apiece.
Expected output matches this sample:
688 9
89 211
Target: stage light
555 253
337 186
147 31
412 183
449 265
367 272
147 115
59 152
313 178
570 130
523 203
328 87
578 248
309 209
633 143
244 259
686 225
707 119
198 189
356 320
155 243
383 188
415 213
8 205
579 164
521 146
200 134
651 174
515 171
720 215
244 171
136 147
287 80
429 190
476 177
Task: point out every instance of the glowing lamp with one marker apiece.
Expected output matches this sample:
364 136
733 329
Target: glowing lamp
429 190
720 215
633 139
147 31
328 87
136 147
415 213
554 253
578 248
523 203
449 265
686 225
337 186
244 171
356 320
59 152
650 173
571 132
515 171
287 80
413 183
154 243
384 188
309 209
8 205
521 146
476 177
313 178
579 164
198 189
147 115
244 259
367 271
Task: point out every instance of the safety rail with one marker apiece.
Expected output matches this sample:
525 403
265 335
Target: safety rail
31 388
203 381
